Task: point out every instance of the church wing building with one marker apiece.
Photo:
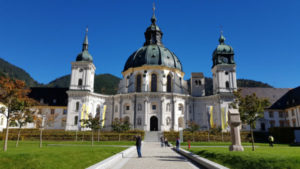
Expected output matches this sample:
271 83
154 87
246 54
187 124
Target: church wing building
153 95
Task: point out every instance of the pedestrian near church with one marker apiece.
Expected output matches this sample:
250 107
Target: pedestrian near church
138 144
166 142
271 140
162 141
177 143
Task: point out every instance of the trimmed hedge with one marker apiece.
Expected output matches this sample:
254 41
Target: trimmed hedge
283 134
203 136
34 134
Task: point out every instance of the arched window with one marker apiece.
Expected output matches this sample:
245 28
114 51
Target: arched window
77 106
168 107
169 83
180 108
153 82
79 82
139 121
139 107
116 108
138 83
168 120
75 120
227 84
180 122
98 111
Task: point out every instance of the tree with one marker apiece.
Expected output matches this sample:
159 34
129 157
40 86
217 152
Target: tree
192 127
120 125
251 108
50 119
13 94
94 123
21 119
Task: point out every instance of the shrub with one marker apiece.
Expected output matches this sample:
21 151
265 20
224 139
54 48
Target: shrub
61 135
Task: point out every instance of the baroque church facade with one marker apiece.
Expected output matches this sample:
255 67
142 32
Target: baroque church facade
153 95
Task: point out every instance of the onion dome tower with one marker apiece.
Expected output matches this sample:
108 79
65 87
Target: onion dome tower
223 54
153 67
85 55
83 69
153 52
224 68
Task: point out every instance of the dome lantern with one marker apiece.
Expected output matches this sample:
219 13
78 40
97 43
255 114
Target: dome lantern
85 55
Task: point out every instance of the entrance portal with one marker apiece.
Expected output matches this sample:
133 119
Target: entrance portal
153 123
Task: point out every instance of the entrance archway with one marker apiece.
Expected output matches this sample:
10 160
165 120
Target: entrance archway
153 123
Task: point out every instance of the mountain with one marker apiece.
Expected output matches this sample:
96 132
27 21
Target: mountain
104 83
240 83
12 71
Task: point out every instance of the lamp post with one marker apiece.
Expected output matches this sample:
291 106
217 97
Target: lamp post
41 130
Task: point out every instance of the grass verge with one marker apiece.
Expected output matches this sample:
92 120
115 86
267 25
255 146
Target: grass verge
29 155
280 157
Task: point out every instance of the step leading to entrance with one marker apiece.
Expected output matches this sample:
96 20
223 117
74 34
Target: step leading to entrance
152 136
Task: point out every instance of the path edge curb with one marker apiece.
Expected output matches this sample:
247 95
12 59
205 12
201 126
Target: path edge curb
112 160
199 160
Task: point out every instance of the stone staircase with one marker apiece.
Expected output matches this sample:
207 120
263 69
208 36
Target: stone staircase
152 136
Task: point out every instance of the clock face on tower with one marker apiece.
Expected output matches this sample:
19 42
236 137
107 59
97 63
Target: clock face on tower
224 59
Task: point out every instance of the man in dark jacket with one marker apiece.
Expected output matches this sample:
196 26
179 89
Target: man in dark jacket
138 144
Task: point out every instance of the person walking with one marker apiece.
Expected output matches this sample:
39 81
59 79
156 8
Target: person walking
166 142
271 140
162 141
138 144
177 143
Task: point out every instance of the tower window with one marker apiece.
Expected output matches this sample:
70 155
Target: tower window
153 83
79 82
169 83
77 106
76 120
227 84
80 70
138 83
226 73
153 107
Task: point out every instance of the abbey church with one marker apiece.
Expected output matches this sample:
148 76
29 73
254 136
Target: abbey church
153 95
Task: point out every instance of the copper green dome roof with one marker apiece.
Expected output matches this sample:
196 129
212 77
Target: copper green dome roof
153 52
153 55
222 48
223 54
85 55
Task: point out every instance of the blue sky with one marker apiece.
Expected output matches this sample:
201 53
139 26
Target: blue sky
44 37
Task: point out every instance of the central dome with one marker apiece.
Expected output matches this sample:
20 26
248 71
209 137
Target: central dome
153 52
153 55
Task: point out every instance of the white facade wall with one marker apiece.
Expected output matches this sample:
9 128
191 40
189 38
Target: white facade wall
3 119
84 71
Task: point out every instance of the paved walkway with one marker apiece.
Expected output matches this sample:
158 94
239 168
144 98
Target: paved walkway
154 157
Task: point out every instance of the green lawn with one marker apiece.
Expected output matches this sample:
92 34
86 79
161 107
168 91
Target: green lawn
79 155
225 144
264 157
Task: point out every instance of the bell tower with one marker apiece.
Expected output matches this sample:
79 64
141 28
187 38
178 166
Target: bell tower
83 69
224 68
